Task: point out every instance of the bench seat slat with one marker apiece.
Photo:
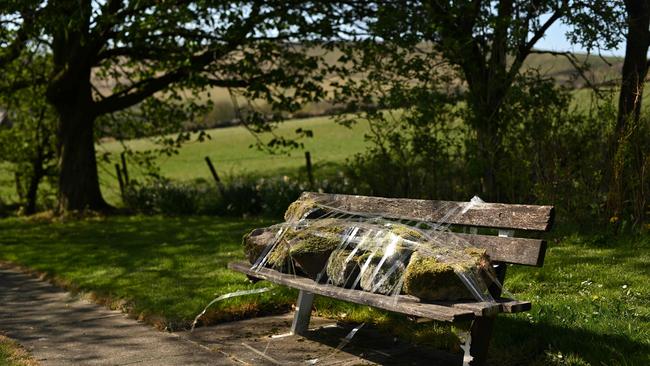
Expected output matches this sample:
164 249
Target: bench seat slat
514 306
503 305
431 311
492 215
478 308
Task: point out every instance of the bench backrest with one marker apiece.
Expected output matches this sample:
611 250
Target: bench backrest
506 218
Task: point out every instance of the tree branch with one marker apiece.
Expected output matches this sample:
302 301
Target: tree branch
576 64
22 36
143 89
526 48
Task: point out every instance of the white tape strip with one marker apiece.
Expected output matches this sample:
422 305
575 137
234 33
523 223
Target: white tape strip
228 296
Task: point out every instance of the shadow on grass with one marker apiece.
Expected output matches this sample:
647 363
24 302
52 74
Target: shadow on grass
171 267
164 267
380 348
519 342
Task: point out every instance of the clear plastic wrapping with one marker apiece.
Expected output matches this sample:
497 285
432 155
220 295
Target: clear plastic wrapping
375 253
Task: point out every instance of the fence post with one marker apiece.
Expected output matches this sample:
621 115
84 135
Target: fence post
214 174
126 172
119 179
310 174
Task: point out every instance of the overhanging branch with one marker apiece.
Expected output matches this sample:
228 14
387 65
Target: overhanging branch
576 65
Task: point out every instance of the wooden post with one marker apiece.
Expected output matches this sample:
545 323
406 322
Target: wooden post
124 170
482 326
214 174
300 323
119 179
310 174
480 335
500 268
212 170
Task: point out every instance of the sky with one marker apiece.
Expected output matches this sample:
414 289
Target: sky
555 40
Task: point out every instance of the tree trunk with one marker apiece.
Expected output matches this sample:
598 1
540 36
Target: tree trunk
627 156
19 186
38 170
78 178
70 93
488 158
488 85
32 188
486 98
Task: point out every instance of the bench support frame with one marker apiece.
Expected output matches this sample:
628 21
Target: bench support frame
301 318
480 335
481 330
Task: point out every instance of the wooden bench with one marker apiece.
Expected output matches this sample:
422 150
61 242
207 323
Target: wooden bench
503 248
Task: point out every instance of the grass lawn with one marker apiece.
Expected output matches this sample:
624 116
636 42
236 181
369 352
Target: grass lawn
591 299
11 354
162 270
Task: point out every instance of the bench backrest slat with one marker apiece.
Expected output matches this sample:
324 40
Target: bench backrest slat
524 251
490 215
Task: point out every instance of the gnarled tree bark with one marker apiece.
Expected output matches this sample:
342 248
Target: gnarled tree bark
628 155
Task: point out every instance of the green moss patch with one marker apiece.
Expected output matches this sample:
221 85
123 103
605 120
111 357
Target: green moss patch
382 279
342 272
430 280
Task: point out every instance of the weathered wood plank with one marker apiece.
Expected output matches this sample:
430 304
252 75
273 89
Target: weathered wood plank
478 308
530 252
514 306
432 311
503 305
493 215
501 249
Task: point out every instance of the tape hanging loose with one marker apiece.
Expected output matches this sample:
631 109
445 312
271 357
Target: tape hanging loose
343 343
228 296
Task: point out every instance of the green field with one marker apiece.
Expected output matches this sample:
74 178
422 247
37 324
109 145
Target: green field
331 145
591 299
230 152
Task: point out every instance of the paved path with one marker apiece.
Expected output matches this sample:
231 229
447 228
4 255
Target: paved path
59 330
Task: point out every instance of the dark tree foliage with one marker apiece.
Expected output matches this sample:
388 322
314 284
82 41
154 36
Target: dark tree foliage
29 144
485 43
158 51
28 141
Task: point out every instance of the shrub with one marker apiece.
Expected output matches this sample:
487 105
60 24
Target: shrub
162 196
239 196
549 152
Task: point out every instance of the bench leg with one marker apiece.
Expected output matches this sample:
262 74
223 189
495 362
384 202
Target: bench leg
479 342
303 313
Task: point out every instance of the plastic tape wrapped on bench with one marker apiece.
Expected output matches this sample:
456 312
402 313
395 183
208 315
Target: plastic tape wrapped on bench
376 254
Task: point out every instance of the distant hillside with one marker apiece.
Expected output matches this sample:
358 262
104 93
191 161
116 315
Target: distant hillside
603 71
